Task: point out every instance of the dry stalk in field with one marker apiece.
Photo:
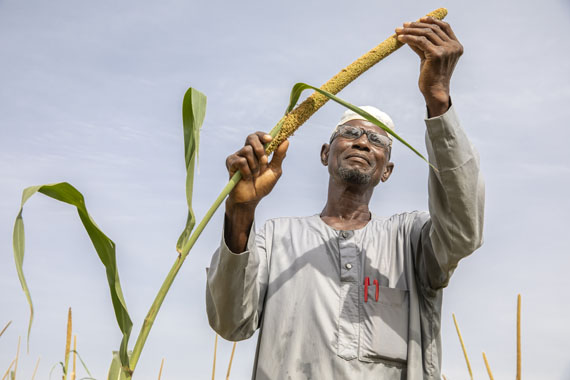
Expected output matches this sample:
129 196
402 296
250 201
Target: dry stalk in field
161 366
214 365
463 347
36 369
231 360
5 327
67 344
488 367
8 370
13 375
519 361
73 370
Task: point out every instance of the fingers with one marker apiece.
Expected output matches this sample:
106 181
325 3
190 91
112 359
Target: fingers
257 141
432 32
442 25
419 37
279 156
250 160
235 163
420 44
429 37
433 29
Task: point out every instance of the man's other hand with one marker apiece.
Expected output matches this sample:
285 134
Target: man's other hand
439 50
259 176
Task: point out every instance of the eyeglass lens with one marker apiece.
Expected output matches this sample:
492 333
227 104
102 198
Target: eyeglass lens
375 138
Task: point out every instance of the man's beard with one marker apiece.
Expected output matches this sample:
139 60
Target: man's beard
354 176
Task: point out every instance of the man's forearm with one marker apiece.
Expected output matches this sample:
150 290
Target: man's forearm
238 221
456 198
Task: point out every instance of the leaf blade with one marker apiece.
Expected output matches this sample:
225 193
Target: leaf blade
193 114
104 246
298 88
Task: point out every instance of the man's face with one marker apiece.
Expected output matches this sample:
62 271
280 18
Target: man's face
357 161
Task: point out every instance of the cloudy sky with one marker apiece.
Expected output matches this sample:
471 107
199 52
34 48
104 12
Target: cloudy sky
91 92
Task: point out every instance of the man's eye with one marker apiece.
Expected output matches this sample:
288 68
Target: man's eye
375 138
351 132
378 139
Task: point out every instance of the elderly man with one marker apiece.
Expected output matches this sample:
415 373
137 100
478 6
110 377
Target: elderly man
346 294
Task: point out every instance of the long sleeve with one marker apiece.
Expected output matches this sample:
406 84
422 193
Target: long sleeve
456 203
236 286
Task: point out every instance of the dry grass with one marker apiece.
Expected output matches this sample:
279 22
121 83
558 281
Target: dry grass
215 351
488 366
161 366
5 327
231 360
67 344
36 369
463 347
13 376
8 370
73 370
519 337
229 364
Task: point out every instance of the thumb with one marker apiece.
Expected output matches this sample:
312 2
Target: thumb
279 155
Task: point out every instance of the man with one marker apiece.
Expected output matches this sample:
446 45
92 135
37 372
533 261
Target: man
346 294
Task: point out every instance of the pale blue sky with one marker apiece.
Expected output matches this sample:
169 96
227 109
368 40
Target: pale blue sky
91 94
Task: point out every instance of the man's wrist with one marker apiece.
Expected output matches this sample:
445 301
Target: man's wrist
238 221
437 104
243 209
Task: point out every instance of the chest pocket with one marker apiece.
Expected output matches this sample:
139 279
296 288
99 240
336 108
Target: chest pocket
384 325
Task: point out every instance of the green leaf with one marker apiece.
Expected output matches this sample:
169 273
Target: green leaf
53 367
193 114
104 246
298 88
82 363
115 372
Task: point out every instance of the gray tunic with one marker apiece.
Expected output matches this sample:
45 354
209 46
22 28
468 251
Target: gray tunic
360 304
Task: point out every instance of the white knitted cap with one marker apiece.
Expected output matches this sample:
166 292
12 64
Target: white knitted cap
382 116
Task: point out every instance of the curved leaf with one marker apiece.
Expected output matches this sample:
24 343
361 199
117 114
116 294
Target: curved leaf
193 114
298 88
105 247
83 364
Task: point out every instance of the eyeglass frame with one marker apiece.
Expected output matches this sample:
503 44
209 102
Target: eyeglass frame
337 133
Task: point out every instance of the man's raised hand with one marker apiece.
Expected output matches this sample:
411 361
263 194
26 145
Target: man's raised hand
439 50
259 176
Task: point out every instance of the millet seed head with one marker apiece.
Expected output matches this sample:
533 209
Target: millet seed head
302 113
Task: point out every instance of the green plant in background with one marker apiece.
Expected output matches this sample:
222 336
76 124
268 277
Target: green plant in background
105 248
193 113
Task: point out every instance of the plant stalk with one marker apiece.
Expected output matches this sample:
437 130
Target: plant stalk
488 367
518 337
215 352
155 307
231 360
463 347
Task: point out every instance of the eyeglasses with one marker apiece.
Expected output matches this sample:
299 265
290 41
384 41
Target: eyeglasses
352 133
